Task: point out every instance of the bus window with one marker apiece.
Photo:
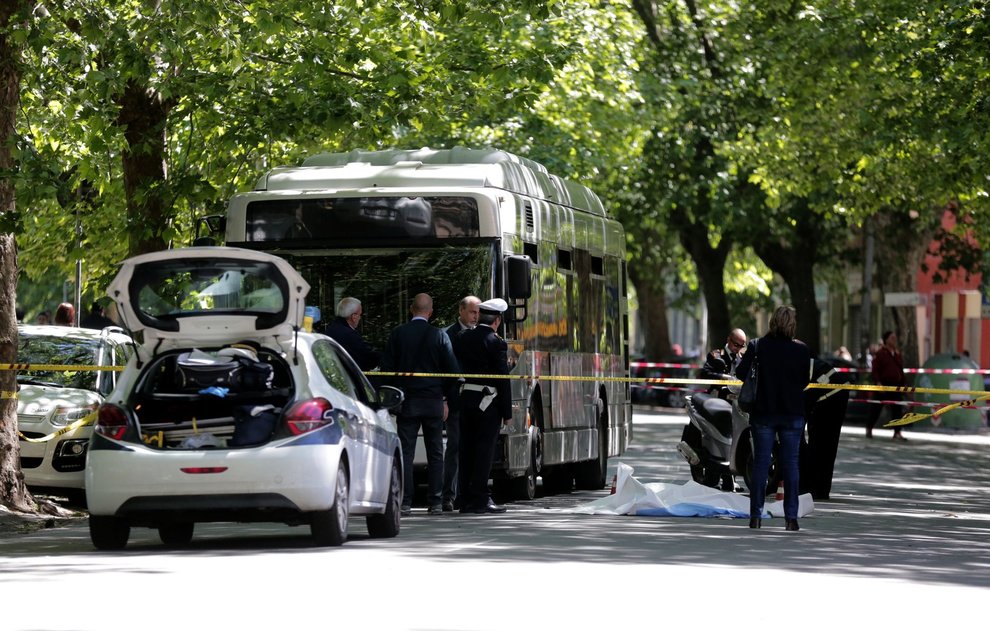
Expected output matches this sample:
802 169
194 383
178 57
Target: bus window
360 218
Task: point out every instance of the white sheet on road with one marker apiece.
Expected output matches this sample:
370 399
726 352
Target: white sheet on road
690 499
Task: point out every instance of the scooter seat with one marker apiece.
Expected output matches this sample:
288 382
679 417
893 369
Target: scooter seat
715 405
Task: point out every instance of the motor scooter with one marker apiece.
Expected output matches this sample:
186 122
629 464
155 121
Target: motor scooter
726 448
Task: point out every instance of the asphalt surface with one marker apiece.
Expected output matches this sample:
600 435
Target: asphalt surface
904 542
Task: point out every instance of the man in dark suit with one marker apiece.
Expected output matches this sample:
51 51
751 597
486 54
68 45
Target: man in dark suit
825 411
485 405
467 319
344 330
720 364
419 347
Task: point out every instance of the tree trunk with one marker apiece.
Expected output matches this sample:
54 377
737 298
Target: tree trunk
710 264
143 117
793 258
901 243
13 493
651 315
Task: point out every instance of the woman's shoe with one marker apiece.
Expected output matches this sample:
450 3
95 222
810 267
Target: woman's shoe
791 524
754 522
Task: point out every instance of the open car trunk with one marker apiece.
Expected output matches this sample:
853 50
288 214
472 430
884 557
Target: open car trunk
211 399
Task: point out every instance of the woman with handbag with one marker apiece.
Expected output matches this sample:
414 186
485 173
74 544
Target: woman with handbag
781 373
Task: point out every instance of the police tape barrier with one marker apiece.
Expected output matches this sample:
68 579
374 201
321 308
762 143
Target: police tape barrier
928 371
908 419
86 420
678 380
7 395
59 367
909 371
918 404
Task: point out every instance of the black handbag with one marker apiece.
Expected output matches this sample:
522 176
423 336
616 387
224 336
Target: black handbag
747 394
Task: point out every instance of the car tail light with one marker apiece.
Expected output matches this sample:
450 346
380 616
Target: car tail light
111 421
305 416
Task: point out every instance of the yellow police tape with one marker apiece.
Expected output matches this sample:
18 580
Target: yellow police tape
86 420
978 395
678 380
907 419
47 367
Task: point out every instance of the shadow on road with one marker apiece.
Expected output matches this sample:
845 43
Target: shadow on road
916 511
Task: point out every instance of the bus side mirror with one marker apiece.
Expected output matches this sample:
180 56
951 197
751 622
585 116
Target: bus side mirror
518 281
518 286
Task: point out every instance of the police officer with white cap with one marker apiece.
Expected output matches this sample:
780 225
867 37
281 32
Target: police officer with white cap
485 405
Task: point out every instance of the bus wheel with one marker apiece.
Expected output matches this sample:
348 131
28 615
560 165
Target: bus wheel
524 488
590 475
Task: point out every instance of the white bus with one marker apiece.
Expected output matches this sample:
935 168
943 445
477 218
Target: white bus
383 226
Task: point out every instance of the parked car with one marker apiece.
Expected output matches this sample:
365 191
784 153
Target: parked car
672 396
53 401
230 411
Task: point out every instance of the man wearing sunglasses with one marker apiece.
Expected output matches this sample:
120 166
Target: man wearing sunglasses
720 364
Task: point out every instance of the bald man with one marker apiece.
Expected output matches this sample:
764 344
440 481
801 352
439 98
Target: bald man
419 347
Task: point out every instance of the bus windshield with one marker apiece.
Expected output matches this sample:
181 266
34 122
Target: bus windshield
361 218
386 281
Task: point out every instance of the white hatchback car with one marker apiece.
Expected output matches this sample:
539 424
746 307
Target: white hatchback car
53 405
230 411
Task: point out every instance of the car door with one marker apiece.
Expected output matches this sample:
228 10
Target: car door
357 425
381 427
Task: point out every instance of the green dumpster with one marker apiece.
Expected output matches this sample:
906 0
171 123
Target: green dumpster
957 419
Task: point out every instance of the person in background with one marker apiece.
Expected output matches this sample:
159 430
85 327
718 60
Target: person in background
778 412
43 318
843 353
486 404
467 319
96 318
65 315
19 313
719 365
887 370
343 329
419 347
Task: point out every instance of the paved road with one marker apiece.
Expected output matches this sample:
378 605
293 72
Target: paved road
905 542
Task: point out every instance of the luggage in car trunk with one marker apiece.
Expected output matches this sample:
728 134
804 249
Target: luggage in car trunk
196 370
216 399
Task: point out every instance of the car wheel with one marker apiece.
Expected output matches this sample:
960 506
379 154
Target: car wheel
108 533
176 535
386 525
329 527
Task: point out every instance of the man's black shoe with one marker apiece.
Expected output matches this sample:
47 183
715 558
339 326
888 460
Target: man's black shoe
448 507
491 508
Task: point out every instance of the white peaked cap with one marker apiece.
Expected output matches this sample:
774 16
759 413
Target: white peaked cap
495 305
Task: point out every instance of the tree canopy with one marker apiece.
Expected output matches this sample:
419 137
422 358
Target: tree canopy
716 131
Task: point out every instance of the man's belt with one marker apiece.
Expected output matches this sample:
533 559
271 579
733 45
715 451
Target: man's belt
489 393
